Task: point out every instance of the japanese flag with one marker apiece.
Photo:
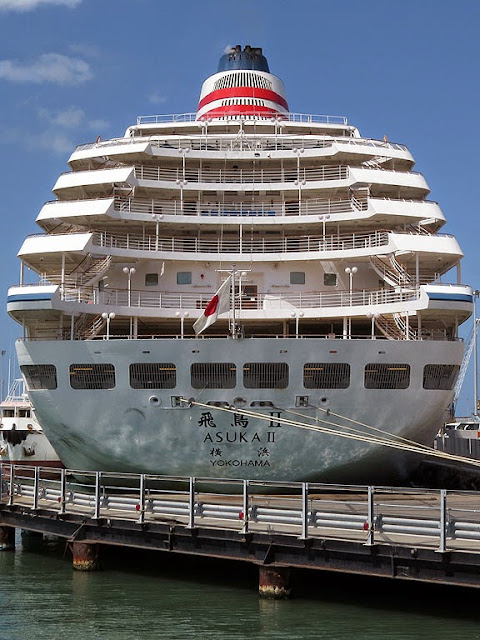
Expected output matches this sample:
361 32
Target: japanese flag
217 305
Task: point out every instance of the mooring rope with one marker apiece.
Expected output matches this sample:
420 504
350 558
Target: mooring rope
387 434
355 435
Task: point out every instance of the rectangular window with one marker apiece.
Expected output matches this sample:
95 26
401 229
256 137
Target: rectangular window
151 279
153 375
297 277
184 277
40 376
330 279
326 375
440 376
213 375
92 376
387 376
265 375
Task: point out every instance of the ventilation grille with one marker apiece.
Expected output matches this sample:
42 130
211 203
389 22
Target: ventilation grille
40 376
92 376
153 375
265 375
213 375
243 79
387 376
440 376
326 375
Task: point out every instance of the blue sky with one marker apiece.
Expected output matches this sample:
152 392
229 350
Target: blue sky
71 70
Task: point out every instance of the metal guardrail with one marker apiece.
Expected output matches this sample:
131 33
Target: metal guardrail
437 519
285 244
248 142
263 301
287 117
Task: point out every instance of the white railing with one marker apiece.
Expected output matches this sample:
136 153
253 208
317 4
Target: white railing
248 142
241 176
287 244
262 301
311 206
236 209
287 117
436 518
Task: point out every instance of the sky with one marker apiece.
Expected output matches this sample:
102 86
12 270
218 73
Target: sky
71 70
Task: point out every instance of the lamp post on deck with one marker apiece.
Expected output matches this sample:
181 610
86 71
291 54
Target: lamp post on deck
323 220
108 317
297 315
373 317
351 271
157 217
182 317
129 271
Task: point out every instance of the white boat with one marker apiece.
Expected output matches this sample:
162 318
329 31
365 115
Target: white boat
341 310
22 440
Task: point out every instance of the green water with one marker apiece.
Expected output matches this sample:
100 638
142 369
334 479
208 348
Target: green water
146 596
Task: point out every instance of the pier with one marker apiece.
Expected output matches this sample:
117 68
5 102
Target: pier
405 534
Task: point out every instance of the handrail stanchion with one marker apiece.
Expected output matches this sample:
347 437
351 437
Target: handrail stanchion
304 535
1 481
63 491
443 521
36 482
191 508
98 475
12 477
371 517
245 506
141 517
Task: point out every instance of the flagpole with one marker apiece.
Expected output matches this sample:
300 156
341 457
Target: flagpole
233 332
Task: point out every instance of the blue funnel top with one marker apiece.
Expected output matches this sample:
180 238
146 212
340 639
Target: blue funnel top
250 58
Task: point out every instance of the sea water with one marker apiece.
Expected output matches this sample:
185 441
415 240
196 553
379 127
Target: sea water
140 595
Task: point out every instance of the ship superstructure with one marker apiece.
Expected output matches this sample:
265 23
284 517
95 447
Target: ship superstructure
339 296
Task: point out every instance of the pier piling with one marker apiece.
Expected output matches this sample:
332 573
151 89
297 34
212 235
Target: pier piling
85 556
274 583
7 538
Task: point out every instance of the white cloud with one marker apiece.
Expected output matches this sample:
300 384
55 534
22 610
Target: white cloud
72 118
69 118
49 67
51 141
98 125
29 5
157 98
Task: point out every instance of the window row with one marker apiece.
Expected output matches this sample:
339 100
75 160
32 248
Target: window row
256 375
296 277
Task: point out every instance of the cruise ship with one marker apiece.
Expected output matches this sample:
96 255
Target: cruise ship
241 292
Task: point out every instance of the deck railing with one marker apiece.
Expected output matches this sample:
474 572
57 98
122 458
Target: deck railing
287 244
241 209
116 297
310 206
242 176
248 142
439 519
287 117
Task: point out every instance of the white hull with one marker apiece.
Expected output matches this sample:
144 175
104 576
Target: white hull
125 429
